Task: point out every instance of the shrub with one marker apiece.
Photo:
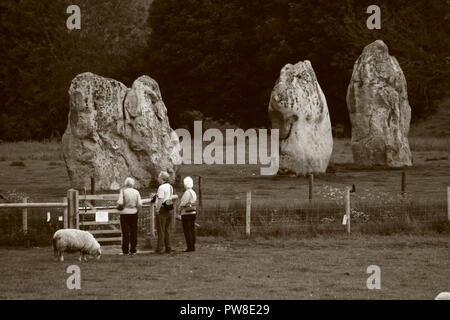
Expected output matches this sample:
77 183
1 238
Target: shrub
17 164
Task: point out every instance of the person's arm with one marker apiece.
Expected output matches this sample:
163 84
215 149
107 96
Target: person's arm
139 203
159 198
184 199
120 200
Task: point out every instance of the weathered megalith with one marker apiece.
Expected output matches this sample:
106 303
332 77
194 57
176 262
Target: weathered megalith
114 132
299 109
377 100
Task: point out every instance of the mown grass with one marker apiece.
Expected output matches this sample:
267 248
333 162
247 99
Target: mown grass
320 268
51 150
30 150
430 144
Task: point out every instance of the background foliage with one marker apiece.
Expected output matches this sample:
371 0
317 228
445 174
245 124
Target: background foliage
40 57
213 58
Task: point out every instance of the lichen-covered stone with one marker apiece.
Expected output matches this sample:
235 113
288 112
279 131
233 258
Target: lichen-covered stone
377 100
299 109
115 132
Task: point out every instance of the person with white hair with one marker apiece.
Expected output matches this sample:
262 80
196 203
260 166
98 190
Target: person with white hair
188 213
163 210
129 205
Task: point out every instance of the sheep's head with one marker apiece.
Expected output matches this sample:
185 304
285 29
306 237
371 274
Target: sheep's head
96 252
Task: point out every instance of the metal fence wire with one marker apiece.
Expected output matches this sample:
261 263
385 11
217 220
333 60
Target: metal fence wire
383 213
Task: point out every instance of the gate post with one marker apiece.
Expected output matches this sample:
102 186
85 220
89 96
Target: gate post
65 215
72 208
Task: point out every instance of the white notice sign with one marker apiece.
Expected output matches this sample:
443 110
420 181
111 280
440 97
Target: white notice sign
344 220
101 216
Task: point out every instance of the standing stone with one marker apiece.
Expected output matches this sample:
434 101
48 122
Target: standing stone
299 109
115 132
377 100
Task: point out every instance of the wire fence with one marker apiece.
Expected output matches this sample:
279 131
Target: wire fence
371 212
279 217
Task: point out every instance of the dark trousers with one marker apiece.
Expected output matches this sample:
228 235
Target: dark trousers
188 221
163 222
128 223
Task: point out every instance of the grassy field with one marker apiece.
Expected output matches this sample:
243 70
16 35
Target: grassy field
377 205
317 268
38 170
289 258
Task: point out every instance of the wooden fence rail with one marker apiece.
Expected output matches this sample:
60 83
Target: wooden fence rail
72 210
30 205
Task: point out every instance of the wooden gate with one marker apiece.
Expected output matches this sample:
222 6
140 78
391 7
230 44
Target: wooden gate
85 211
98 215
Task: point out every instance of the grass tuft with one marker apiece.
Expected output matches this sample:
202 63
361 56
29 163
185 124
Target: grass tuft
17 164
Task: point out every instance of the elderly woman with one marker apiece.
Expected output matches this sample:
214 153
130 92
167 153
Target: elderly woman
131 204
163 218
188 213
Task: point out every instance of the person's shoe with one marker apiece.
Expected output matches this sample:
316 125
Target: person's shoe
123 254
132 254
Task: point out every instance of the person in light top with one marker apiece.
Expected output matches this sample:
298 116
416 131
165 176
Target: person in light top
163 217
131 201
188 213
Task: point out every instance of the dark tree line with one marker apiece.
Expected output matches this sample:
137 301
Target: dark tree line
223 57
217 58
40 57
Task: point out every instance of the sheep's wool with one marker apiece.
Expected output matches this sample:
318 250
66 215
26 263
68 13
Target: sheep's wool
73 240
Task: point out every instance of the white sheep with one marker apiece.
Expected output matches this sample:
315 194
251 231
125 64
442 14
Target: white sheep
74 240
443 296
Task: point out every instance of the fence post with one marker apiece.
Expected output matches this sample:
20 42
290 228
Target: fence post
248 214
200 194
65 215
174 217
448 203
403 183
92 188
25 217
311 185
25 222
72 207
152 220
92 185
77 216
347 207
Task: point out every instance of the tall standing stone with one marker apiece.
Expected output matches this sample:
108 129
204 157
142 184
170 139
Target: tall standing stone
299 109
115 132
377 100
